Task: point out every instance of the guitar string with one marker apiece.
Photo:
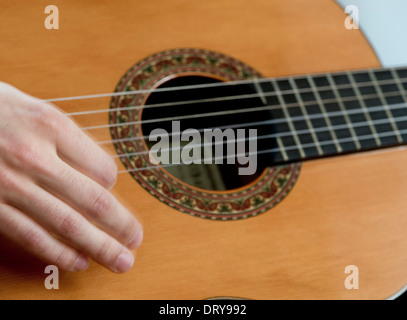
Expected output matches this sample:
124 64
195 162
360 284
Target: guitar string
289 148
208 85
306 117
275 92
230 112
273 135
232 126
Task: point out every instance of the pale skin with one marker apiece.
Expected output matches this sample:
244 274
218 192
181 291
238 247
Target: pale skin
54 189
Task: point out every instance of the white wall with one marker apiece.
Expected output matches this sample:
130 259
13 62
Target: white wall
384 23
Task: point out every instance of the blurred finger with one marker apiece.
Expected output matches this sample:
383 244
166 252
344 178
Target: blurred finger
78 149
28 234
95 203
72 228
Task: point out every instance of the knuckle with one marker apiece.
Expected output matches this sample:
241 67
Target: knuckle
103 253
29 157
7 181
66 177
101 203
34 240
62 259
70 226
111 173
23 152
49 119
130 231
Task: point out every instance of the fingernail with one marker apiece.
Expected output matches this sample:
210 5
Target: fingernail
82 263
137 240
124 262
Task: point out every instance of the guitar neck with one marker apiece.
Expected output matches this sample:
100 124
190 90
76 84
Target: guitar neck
336 113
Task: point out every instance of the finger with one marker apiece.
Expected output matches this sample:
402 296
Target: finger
72 228
95 203
78 149
28 234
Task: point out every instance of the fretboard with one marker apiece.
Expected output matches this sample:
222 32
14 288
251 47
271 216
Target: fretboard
329 114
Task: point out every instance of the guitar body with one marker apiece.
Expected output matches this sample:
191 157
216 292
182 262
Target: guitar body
347 210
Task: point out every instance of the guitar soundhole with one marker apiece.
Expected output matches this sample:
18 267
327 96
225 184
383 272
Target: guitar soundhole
210 191
215 106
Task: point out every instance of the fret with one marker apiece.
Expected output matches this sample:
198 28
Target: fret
343 109
401 98
281 86
382 74
259 91
268 93
278 117
380 92
401 72
327 114
307 120
331 143
364 108
263 87
315 82
281 150
371 98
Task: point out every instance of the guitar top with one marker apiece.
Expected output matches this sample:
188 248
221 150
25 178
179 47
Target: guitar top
314 207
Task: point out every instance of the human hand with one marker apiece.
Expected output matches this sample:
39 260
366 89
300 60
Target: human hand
54 189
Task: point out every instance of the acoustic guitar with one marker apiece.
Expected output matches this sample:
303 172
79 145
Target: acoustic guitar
329 191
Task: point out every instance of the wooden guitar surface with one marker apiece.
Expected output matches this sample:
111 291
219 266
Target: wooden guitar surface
347 210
